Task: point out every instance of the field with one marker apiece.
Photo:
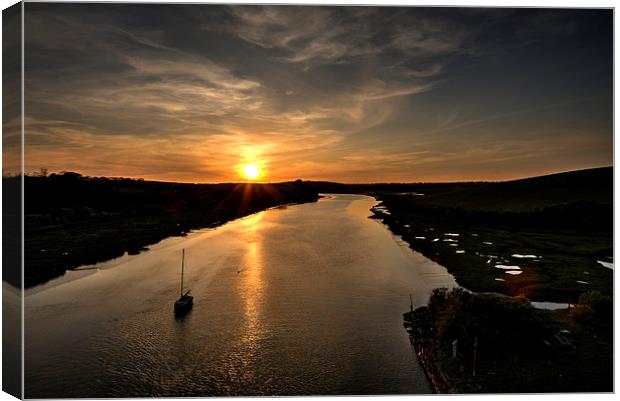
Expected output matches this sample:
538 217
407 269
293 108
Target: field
545 249
566 262
528 195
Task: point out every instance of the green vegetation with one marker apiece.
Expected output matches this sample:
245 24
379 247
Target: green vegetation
592 307
505 345
567 263
73 220
568 240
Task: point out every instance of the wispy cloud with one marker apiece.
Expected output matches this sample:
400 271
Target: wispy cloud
307 34
188 95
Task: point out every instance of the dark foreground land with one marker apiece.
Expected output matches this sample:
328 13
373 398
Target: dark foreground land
475 343
73 220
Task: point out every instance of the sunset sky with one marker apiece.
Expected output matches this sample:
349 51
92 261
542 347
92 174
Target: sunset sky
352 94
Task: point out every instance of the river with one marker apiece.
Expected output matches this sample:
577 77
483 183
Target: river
296 300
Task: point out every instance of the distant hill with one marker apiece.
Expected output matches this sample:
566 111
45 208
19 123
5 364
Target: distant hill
68 198
530 194
523 195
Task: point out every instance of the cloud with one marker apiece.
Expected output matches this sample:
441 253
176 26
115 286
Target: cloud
332 35
148 88
138 89
307 34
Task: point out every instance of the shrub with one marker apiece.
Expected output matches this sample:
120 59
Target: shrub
85 212
583 314
600 305
437 301
503 325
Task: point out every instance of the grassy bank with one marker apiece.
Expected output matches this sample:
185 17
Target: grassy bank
493 344
73 220
539 247
566 262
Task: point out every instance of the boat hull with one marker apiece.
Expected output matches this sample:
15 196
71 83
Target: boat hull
183 305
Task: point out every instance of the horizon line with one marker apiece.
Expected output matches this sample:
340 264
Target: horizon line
34 174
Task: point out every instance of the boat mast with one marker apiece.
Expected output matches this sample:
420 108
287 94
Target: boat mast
182 270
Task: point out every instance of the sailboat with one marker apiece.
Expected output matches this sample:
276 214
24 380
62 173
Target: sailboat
186 301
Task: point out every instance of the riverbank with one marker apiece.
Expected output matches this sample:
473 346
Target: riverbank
471 343
546 239
549 238
420 326
73 221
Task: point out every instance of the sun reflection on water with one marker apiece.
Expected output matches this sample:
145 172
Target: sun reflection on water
252 287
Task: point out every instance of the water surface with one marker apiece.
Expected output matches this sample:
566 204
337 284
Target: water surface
304 299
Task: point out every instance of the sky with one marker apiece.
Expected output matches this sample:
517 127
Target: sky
194 93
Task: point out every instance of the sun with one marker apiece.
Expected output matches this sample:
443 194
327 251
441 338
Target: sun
251 171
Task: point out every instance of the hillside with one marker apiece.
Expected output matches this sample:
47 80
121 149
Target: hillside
530 194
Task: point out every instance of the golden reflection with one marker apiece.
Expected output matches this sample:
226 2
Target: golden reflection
251 223
252 286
